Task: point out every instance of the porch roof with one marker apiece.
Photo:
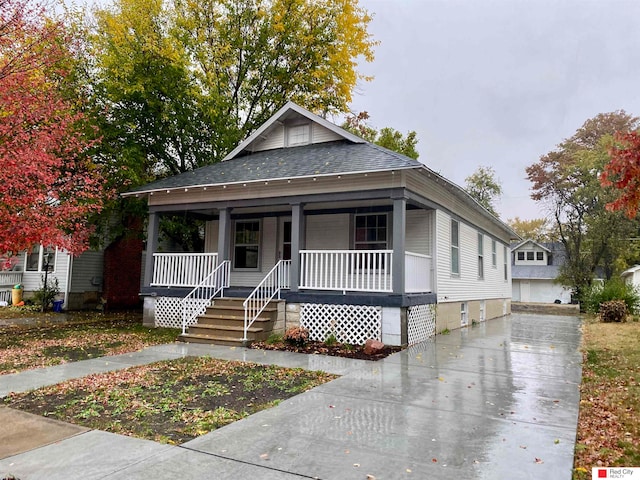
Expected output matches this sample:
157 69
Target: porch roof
331 158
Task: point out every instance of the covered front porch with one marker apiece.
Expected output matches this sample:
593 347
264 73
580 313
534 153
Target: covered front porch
355 255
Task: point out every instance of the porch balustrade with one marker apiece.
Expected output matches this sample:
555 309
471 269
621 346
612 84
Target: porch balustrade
182 269
7 281
417 273
346 270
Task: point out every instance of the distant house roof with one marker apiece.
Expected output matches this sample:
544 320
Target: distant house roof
535 272
331 158
630 271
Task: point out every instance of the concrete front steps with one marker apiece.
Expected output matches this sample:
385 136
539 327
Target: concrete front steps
223 324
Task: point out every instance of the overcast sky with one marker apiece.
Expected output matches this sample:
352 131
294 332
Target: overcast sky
499 83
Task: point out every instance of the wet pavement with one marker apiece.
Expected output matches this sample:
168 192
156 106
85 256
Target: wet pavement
495 401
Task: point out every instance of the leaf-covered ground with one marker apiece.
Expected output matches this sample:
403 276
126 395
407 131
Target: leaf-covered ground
609 425
171 401
80 337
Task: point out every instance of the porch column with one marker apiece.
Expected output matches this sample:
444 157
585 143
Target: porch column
297 243
224 228
152 246
399 228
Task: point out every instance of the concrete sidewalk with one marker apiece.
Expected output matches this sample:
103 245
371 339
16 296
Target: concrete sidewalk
498 400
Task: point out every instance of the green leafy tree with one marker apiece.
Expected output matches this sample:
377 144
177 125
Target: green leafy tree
387 137
566 182
537 229
484 187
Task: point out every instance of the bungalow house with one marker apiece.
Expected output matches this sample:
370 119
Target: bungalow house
353 239
535 269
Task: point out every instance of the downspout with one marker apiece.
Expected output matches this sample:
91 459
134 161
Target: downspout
67 287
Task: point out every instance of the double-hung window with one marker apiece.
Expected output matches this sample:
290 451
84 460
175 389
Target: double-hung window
246 252
480 256
40 259
494 254
455 247
371 232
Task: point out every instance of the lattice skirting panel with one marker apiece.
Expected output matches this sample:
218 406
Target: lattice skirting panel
353 324
421 323
169 311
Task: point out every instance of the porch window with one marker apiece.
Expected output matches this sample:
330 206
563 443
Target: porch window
371 232
40 258
455 247
246 250
480 256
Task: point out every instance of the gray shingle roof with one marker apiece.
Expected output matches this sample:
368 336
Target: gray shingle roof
338 157
540 272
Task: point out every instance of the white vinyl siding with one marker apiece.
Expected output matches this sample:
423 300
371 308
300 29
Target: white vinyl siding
87 275
276 137
328 232
466 286
419 229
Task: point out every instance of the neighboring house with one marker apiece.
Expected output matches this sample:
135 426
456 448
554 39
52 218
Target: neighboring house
631 276
359 241
535 268
79 279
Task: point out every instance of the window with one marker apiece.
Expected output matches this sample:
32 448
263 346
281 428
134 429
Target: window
480 256
455 247
504 260
529 255
370 232
247 244
520 255
494 254
40 258
539 255
298 135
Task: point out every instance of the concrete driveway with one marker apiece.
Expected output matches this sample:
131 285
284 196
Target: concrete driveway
493 401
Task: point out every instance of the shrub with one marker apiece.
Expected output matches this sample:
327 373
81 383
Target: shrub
273 339
296 336
47 293
330 340
613 311
613 289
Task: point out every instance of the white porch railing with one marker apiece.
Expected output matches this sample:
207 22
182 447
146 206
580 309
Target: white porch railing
346 270
417 272
270 286
197 301
7 281
182 269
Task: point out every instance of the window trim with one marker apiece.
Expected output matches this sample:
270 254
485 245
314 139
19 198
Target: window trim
494 254
41 249
480 256
257 268
455 247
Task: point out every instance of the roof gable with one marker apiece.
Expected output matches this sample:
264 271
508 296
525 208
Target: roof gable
288 112
533 243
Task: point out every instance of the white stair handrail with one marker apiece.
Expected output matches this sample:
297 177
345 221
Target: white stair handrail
270 286
196 302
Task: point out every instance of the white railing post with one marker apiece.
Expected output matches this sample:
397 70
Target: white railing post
196 302
182 269
267 289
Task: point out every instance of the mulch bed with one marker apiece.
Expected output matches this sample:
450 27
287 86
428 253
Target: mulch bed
335 350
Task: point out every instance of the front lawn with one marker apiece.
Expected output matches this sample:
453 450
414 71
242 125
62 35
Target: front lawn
609 426
85 335
171 401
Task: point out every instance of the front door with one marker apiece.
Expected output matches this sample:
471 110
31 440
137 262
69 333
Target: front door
284 244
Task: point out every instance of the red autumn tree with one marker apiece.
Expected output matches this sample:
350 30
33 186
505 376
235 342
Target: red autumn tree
48 184
623 173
